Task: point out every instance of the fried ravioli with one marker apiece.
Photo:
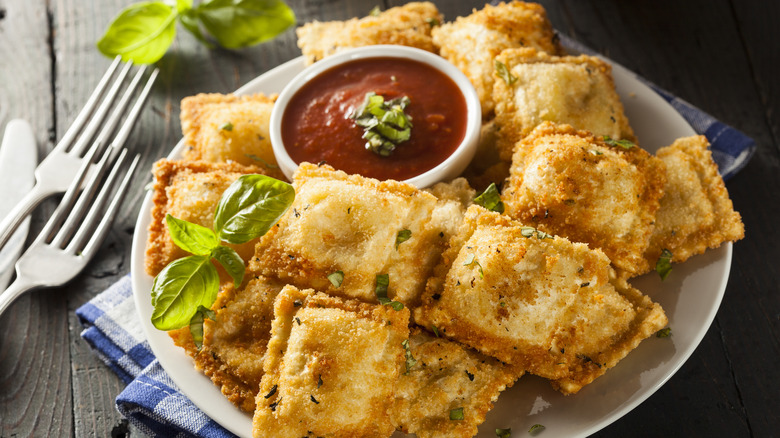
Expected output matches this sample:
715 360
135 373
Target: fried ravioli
188 190
446 376
573 90
573 184
538 302
235 343
351 224
696 212
331 368
223 127
471 43
407 25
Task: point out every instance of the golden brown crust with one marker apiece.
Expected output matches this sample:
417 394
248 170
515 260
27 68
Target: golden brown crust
571 183
187 190
234 345
446 376
349 223
204 121
471 43
573 90
331 368
696 212
546 305
407 25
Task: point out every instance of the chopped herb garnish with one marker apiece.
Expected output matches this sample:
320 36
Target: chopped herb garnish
435 331
298 320
227 126
536 428
271 392
664 264
530 231
456 414
595 152
625 144
319 381
472 259
382 282
314 399
402 237
375 12
265 163
433 22
384 123
664 333
502 304
490 199
503 433
469 375
503 73
410 360
336 278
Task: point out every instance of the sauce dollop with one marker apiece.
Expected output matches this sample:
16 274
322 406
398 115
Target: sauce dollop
316 124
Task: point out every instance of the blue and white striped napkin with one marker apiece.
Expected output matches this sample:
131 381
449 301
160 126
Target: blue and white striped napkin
152 402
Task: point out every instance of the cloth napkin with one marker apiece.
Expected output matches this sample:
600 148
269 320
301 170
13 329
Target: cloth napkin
153 403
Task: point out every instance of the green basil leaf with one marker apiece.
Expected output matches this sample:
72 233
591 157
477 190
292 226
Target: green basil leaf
625 144
536 428
503 433
456 414
250 207
190 237
180 288
410 360
664 332
196 324
490 199
189 19
142 32
402 237
336 278
382 283
241 23
231 261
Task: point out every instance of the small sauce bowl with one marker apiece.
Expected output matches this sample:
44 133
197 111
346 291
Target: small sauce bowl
311 117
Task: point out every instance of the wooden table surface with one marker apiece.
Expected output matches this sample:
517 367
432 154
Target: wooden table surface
723 56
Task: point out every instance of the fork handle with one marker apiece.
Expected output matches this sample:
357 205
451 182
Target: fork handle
14 291
21 210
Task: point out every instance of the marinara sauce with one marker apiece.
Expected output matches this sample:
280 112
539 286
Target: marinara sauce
316 125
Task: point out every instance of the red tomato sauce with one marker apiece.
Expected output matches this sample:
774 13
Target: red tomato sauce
316 126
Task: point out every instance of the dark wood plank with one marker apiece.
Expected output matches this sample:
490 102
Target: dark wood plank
34 358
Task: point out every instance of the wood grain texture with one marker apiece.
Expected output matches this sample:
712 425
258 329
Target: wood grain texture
720 55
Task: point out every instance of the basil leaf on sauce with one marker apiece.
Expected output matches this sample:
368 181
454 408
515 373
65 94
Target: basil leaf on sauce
193 238
250 207
664 264
384 123
231 261
196 324
180 288
490 199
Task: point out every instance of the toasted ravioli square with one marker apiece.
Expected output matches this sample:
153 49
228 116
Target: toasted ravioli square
573 90
571 183
331 368
235 343
407 25
472 43
223 127
447 376
538 302
696 212
351 224
188 190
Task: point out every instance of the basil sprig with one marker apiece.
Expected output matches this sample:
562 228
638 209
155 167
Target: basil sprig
143 32
247 210
384 123
490 199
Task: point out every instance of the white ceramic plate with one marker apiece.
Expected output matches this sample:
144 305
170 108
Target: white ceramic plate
690 296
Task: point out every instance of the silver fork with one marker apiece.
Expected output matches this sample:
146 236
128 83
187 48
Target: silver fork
73 234
72 159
